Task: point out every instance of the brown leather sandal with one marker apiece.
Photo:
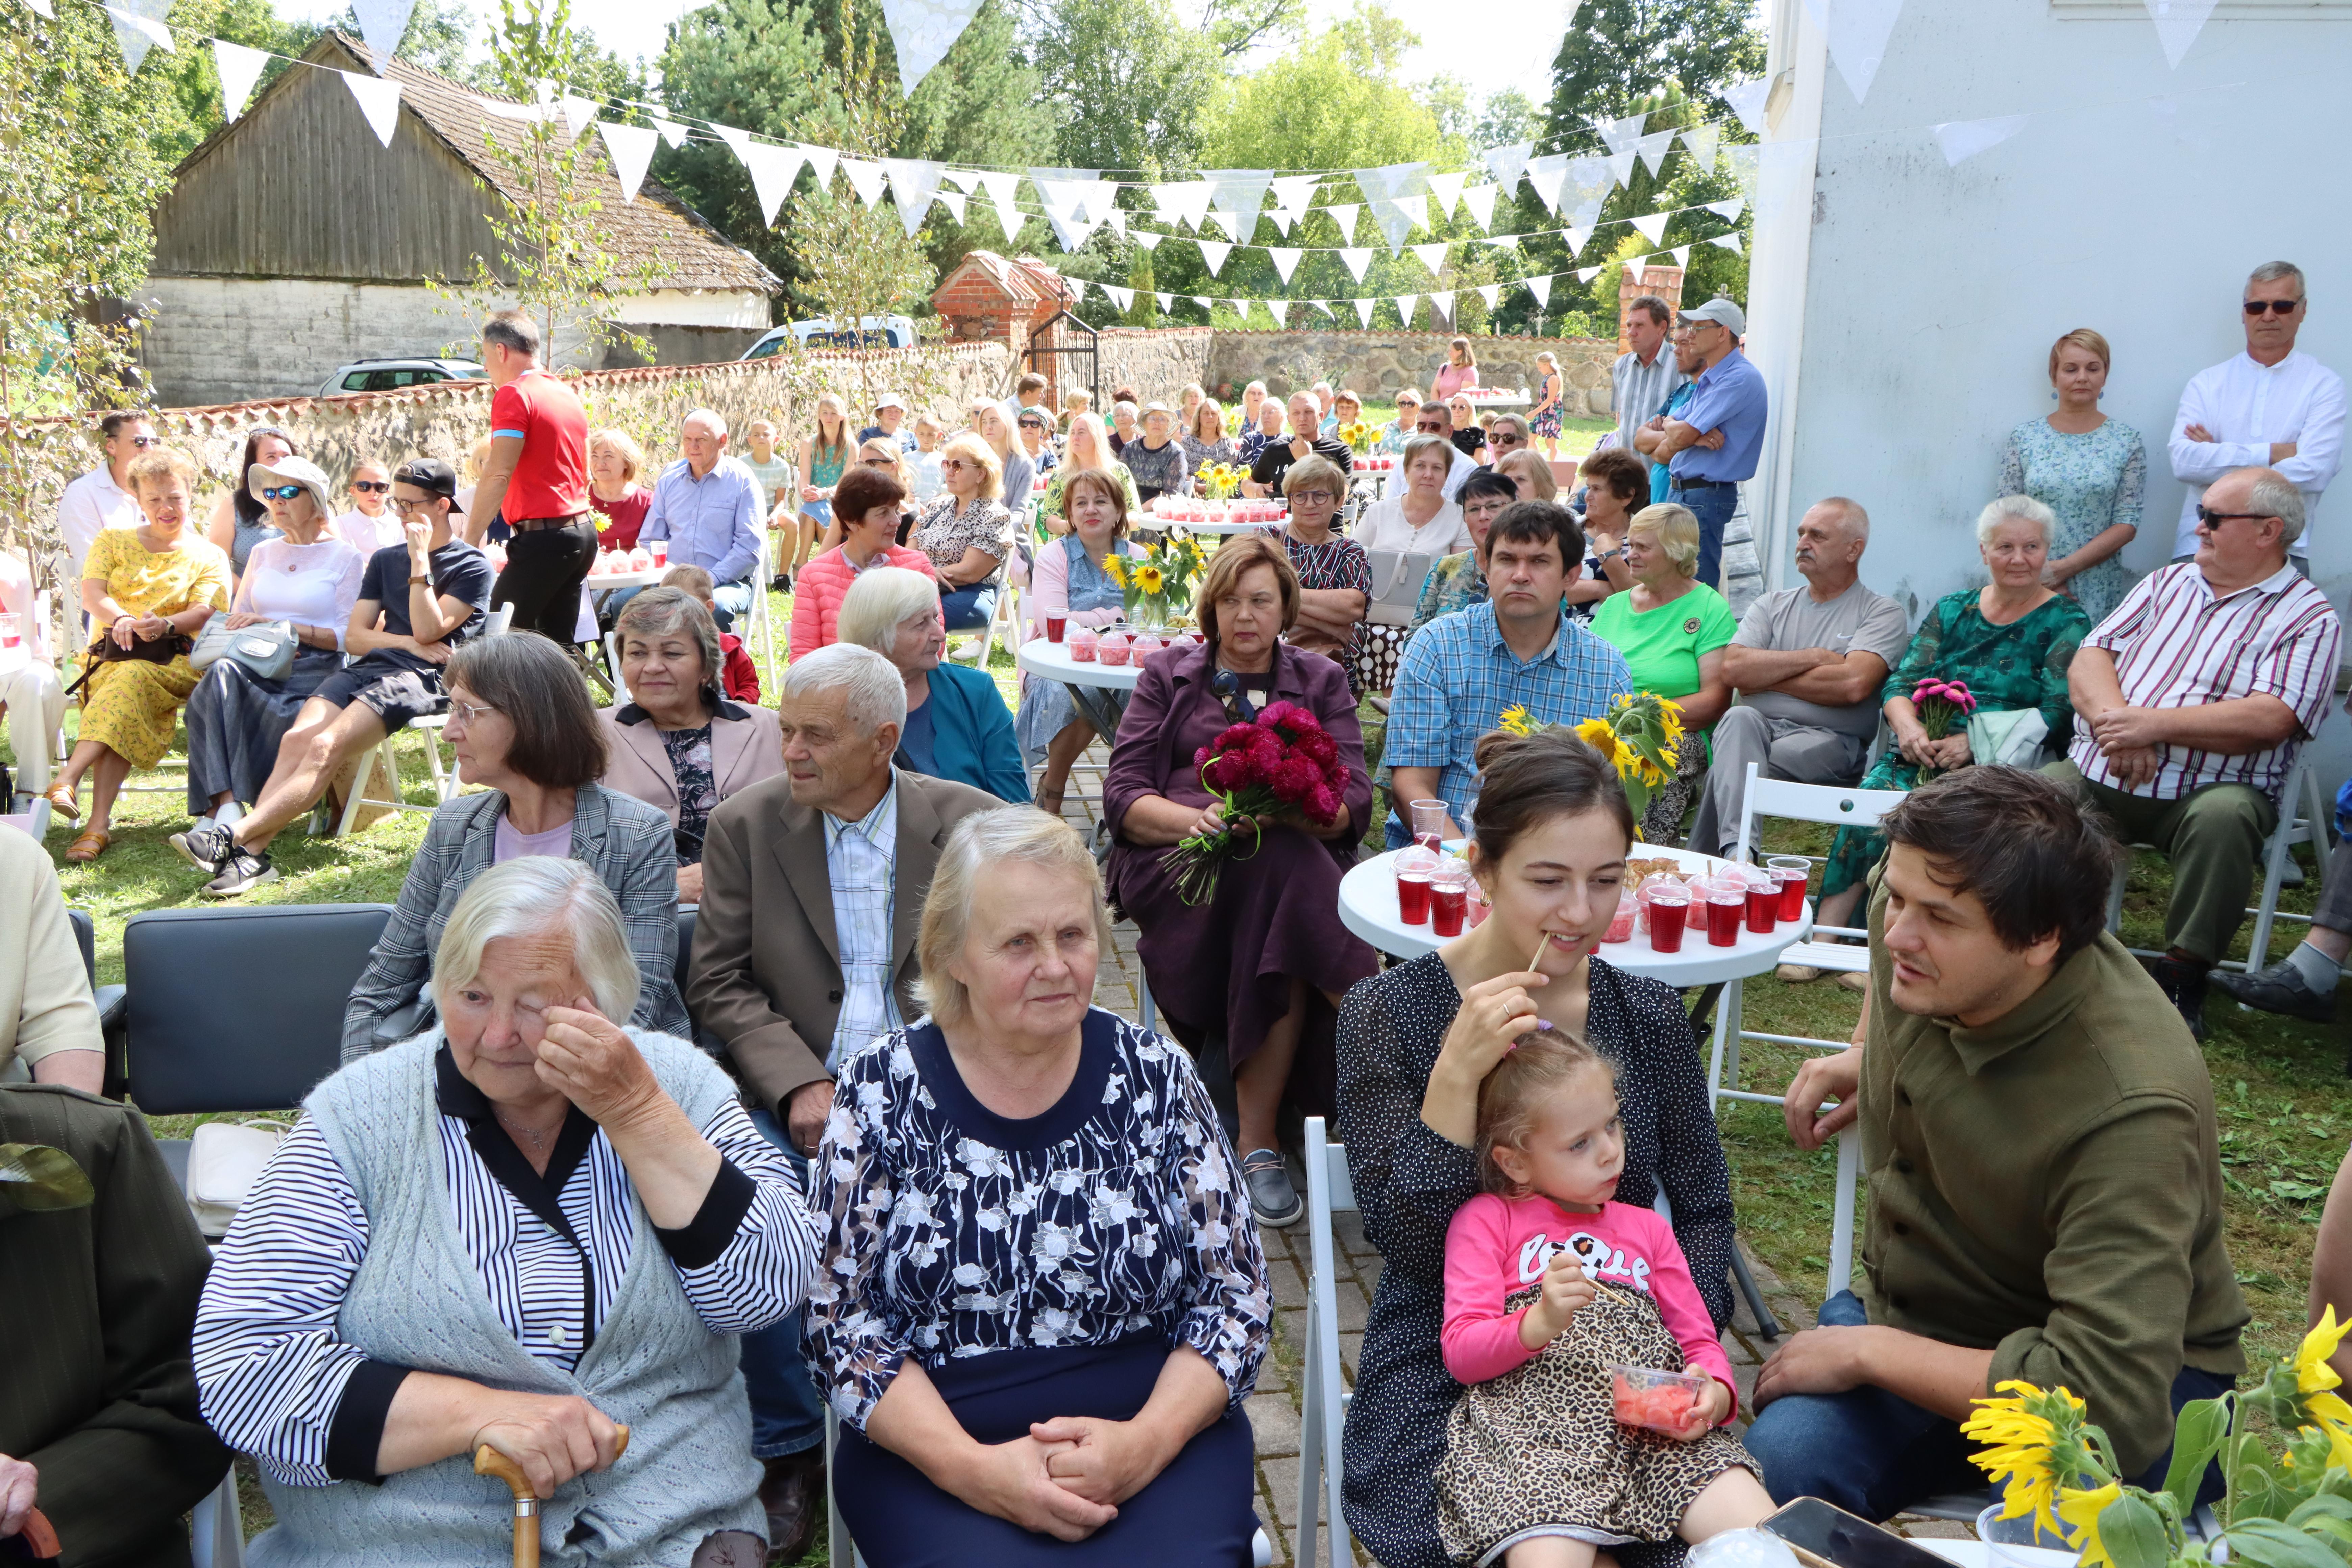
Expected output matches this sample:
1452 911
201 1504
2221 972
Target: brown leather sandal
60 796
88 845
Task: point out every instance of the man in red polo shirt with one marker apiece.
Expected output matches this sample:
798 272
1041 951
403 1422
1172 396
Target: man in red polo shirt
536 480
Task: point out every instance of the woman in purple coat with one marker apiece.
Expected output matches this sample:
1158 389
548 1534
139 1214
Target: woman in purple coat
1266 961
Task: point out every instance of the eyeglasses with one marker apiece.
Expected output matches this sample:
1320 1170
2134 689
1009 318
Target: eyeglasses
466 715
2216 519
143 442
2275 307
955 464
1312 498
372 487
280 492
405 507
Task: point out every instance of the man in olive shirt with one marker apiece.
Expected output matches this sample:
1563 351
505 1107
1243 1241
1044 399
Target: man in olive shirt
2045 1185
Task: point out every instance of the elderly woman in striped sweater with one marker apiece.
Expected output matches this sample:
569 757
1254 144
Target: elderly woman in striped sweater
524 1230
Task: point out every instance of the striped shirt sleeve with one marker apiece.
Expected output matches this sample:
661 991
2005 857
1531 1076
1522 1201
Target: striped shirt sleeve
746 1258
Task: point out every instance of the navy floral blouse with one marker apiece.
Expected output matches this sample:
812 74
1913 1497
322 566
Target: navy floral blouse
952 1231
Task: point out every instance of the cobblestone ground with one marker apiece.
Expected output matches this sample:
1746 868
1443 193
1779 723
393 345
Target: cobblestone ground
1274 1410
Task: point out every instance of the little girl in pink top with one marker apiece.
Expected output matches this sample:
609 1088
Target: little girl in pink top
1548 1284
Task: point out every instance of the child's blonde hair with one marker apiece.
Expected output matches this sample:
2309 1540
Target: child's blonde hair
1511 1100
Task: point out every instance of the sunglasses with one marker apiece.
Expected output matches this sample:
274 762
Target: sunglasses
955 464
2216 519
2276 307
281 492
143 442
372 487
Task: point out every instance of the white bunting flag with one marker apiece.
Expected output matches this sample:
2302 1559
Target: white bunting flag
138 27
1401 217
1147 239
1681 253
1653 226
866 177
2178 23
1448 189
741 141
1404 307
1575 239
239 68
1621 167
1398 193
1587 274
1184 201
1358 258
1433 258
1364 311
1279 309
923 31
1213 220
579 113
1213 253
1729 211
1240 193
1285 259
1586 188
772 169
43 8
1099 202
999 184
1077 289
378 100
913 182
1166 301
1655 147
1747 100
954 202
1508 163
1540 288
822 160
1746 165
1282 218
965 180
1964 139
1729 242
1295 193
1545 177
1622 134
1480 202
1441 302
1492 293
671 132
1324 306
1344 215
1510 242
631 148
1699 142
1199 300
1241 308
1858 32
383 22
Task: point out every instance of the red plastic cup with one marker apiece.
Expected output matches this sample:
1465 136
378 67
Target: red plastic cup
1056 623
1668 913
660 548
1793 871
1763 907
1727 905
1412 898
1446 907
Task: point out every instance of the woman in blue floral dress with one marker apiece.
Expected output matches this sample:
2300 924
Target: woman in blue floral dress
1041 1302
2086 468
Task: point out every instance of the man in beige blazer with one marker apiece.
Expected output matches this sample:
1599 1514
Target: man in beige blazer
813 885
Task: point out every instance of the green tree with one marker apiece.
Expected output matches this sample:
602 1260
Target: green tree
1144 312
1128 82
1620 51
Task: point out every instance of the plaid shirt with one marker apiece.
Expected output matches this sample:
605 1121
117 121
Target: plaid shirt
1457 676
2177 646
1640 391
861 862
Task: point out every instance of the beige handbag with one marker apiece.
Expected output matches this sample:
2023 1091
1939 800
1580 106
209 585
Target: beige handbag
224 1159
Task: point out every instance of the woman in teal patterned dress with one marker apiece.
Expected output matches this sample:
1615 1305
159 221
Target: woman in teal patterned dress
2010 641
2087 468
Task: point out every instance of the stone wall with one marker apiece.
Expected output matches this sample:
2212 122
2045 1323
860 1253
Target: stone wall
1377 363
1156 363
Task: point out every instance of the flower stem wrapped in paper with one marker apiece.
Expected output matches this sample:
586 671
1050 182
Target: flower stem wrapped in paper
1283 764
2293 1509
1641 737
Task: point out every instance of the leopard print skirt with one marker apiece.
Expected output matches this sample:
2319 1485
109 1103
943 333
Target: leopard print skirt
1539 1451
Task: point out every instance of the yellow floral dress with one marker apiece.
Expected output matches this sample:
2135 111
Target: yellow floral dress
132 706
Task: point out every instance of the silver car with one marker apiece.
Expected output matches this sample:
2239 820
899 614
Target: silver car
389 375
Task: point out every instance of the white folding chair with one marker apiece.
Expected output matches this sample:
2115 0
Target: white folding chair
2302 793
757 620
613 660
382 760
216 1528
33 819
1323 1400
1004 622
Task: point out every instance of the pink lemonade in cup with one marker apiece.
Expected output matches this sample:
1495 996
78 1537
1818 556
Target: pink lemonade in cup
1057 622
1083 641
659 550
1111 648
1763 900
1449 897
1669 908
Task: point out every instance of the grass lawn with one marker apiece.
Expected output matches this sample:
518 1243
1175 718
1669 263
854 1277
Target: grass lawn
1577 436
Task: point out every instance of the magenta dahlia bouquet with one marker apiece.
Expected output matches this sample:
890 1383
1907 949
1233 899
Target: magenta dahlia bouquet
1941 704
1285 761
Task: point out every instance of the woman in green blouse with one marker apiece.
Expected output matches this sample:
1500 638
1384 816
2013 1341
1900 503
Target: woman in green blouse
1672 629
2010 641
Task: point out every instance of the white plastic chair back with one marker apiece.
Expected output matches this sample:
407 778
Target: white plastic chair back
1324 1396
1397 579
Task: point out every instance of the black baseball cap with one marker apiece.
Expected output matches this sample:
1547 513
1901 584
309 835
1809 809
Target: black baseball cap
430 475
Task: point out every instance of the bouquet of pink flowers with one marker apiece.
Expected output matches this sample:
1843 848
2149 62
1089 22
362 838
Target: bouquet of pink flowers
1285 761
1941 704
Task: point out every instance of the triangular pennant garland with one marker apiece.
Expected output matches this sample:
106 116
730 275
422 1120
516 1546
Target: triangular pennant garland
1077 289
1653 226
1448 189
1858 32
1622 134
1294 193
579 113
2178 23
1545 175
1166 301
1699 142
631 148
1729 211
1655 147
1404 307
741 141
965 180
954 202
822 161
1323 307
773 169
1213 253
378 100
1964 139
1508 163
1747 100
1240 192
1492 293
138 27
1729 242
1681 254
671 132
1147 239
1401 217
1279 309
1241 308
1621 167
1000 184
1575 239
923 31
1285 259
1433 258
239 68
1587 274
1586 188
1441 302
1344 215
1364 311
382 25
913 182
1199 300
866 177
1480 202
1542 289
1358 258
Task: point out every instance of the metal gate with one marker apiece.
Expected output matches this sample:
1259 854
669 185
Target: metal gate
1046 345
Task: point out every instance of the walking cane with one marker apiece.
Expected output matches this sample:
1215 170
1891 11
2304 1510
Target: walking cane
489 1461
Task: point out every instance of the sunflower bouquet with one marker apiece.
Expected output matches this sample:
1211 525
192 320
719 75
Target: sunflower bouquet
1359 437
1157 580
1641 737
1219 482
2294 1511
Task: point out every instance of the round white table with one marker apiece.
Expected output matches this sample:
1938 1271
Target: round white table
1154 519
1098 690
1368 906
605 582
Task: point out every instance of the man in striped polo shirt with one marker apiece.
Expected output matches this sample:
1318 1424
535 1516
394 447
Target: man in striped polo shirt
2191 700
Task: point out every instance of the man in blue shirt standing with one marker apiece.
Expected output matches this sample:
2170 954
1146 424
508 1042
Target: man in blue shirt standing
1518 649
707 504
1714 445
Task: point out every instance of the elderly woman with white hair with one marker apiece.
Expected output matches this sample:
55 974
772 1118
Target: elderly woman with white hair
968 533
957 724
523 1230
1041 1303
2010 641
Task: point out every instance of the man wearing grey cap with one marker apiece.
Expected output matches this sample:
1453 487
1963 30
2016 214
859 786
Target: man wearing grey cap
1714 446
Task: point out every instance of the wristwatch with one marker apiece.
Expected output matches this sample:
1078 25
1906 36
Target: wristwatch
414 581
